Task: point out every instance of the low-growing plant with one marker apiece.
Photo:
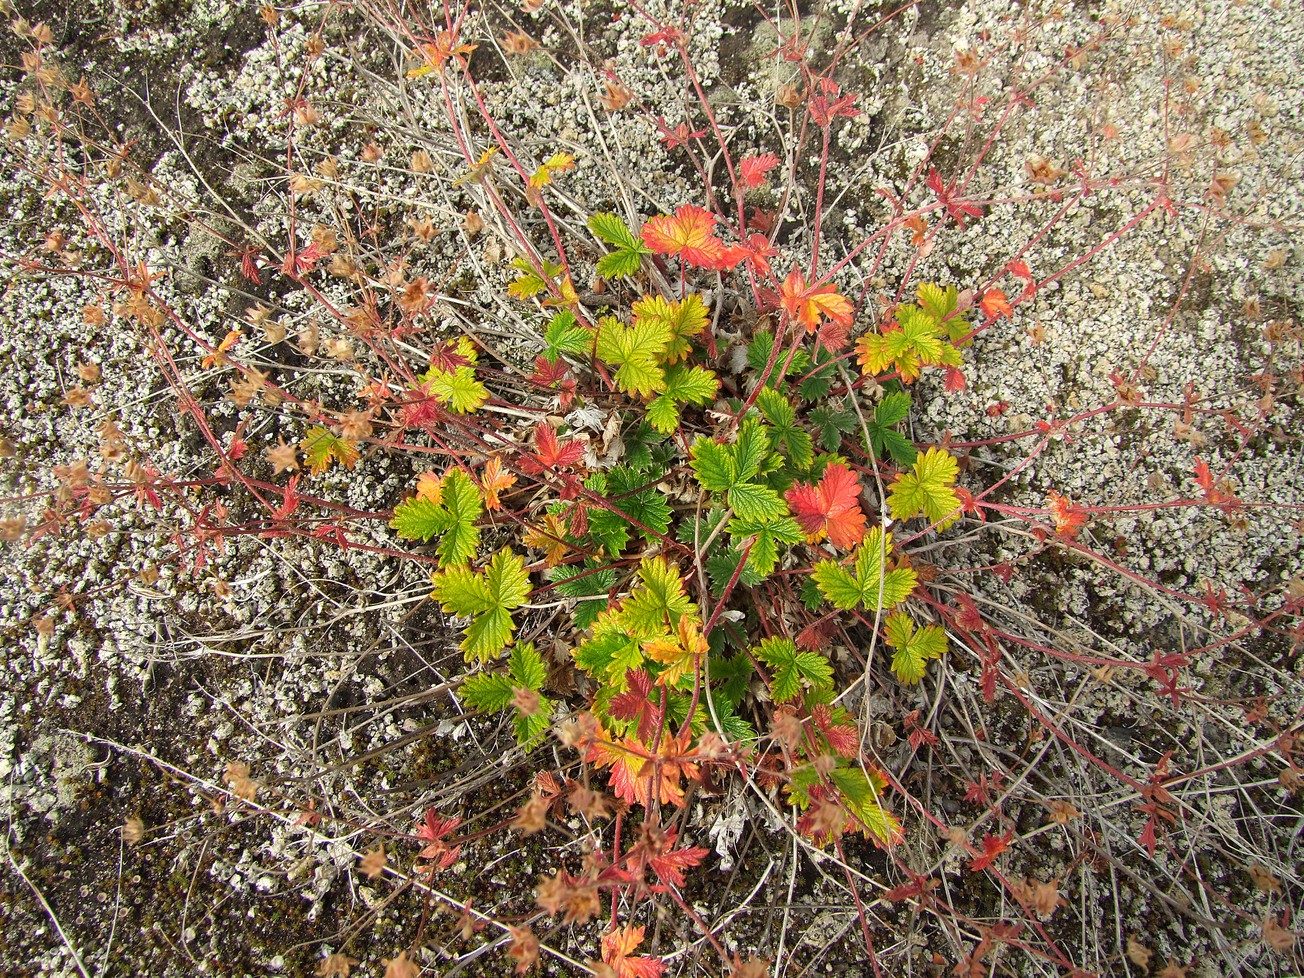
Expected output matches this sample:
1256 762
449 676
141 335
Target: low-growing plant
677 512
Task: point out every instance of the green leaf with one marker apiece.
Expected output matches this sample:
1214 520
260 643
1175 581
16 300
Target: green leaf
581 583
758 355
321 446
893 409
527 667
659 602
684 385
915 342
731 469
791 669
681 320
635 499
611 230
458 390
508 579
914 647
768 535
714 464
463 591
839 587
636 354
883 436
528 282
861 794
790 439
488 691
499 691
832 422
454 517
663 414
938 302
816 386
609 530
928 489
530 727
487 598
646 448
627 257
865 583
462 501
750 449
565 335
755 502
720 567
488 634
620 264
419 519
730 678
609 654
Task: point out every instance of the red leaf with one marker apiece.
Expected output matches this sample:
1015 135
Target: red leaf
959 210
633 704
1213 494
1068 518
249 265
433 831
916 887
835 334
679 135
842 737
969 617
828 102
549 453
993 846
832 507
816 636
447 358
436 828
1019 269
301 262
547 374
759 252
670 865
755 169
667 35
955 380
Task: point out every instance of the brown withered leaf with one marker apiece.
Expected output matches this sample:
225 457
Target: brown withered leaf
335 966
402 967
133 831
1138 953
373 861
1043 898
1264 880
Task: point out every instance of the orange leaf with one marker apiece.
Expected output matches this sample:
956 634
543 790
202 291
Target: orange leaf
1068 518
994 304
494 480
632 768
690 236
617 947
807 304
832 507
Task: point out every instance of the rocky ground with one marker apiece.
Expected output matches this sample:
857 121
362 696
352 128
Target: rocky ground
136 683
